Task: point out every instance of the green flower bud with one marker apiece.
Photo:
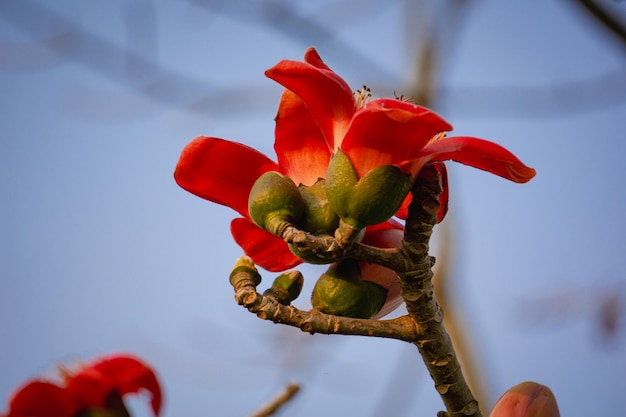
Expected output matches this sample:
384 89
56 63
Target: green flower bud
244 272
367 201
273 201
319 217
286 287
342 292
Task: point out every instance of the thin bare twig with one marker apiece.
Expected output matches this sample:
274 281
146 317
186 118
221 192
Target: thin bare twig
277 402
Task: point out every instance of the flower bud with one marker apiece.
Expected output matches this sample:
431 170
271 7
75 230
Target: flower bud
342 292
367 201
528 399
244 273
274 199
286 287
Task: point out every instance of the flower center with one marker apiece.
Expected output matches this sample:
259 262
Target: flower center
362 96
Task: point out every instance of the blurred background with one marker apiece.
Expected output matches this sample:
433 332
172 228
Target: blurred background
102 252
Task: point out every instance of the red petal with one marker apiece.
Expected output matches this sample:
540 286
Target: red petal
480 154
389 132
387 225
266 250
312 57
327 96
385 235
302 152
121 374
221 171
41 399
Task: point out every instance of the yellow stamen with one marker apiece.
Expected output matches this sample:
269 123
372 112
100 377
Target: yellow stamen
437 138
362 96
401 98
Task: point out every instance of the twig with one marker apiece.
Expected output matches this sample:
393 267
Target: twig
281 399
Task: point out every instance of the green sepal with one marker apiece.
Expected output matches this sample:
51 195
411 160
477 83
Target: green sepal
341 291
286 287
274 199
367 201
319 217
340 181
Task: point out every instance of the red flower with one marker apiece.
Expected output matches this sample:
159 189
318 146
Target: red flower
91 386
318 114
528 399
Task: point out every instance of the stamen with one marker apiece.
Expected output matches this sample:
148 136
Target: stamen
362 96
401 98
437 138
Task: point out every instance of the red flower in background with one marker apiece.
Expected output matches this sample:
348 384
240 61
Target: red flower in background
317 115
92 386
528 399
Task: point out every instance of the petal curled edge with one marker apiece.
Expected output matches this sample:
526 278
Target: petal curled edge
41 399
122 374
478 153
266 250
327 96
302 151
221 171
389 132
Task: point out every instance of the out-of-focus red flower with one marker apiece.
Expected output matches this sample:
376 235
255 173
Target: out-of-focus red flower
528 399
317 115
91 386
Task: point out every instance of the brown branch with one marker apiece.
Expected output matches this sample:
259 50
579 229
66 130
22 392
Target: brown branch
267 307
423 326
281 399
434 343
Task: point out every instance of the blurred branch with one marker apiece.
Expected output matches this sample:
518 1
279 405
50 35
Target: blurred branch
604 17
284 18
57 38
604 304
428 65
283 398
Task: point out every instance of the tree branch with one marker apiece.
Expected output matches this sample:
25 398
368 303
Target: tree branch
423 326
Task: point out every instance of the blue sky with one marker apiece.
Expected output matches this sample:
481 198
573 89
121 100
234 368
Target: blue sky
100 251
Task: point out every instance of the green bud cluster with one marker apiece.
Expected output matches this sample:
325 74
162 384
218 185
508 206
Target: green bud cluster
318 208
342 205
